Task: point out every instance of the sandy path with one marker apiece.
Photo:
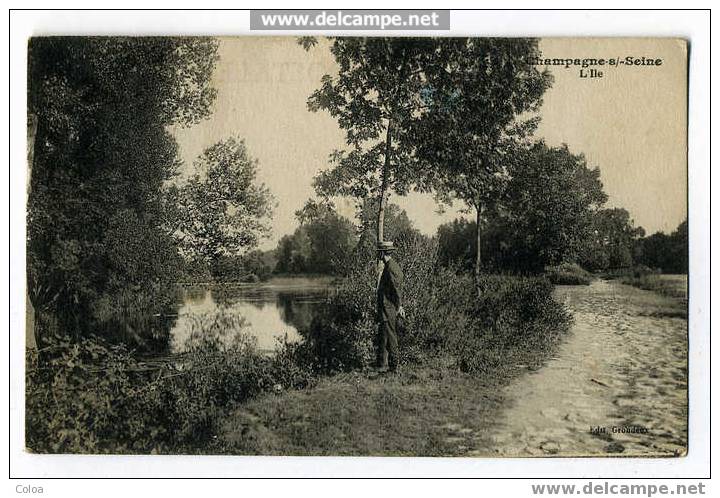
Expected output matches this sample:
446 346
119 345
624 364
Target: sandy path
623 366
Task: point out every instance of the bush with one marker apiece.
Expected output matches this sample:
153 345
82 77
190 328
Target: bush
445 315
514 320
568 274
343 336
92 397
84 397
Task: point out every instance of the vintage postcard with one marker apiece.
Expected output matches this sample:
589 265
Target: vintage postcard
366 246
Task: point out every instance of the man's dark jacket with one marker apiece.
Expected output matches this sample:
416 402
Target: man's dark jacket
389 292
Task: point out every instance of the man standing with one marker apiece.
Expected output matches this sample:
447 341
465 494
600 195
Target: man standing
389 295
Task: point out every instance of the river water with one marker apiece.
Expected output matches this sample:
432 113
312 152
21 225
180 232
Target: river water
271 310
617 385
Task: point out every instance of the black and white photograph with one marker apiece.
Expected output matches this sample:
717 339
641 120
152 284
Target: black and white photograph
358 244
368 246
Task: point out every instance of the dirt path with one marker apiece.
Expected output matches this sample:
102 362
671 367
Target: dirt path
622 368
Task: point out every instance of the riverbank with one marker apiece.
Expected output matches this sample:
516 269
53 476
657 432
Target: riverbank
429 408
461 349
623 368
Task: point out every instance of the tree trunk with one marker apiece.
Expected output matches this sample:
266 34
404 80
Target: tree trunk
383 194
478 234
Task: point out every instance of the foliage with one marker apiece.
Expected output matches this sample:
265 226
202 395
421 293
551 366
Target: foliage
666 252
547 212
91 397
253 266
326 242
99 109
398 227
221 210
481 101
84 397
544 217
512 318
260 263
656 283
478 109
457 244
511 315
612 242
375 98
196 272
292 252
341 337
321 244
568 274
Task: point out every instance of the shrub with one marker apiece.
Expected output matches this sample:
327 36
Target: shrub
568 274
93 397
512 320
439 310
343 336
445 315
83 397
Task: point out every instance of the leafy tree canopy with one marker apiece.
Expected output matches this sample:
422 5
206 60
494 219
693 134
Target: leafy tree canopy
99 108
222 210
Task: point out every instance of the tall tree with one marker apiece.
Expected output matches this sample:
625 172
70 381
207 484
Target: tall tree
332 237
99 109
222 209
482 100
667 252
546 214
613 241
376 98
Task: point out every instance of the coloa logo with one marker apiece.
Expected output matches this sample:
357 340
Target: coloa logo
31 490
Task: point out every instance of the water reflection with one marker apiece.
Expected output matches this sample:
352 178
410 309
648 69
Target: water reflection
146 333
272 310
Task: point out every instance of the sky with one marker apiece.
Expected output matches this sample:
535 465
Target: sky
631 123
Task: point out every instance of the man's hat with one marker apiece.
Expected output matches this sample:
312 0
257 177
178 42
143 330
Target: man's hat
386 246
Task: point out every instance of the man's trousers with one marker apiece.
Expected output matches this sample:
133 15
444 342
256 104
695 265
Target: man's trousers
388 343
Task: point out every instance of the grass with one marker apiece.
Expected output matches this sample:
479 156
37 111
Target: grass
428 410
628 272
657 284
